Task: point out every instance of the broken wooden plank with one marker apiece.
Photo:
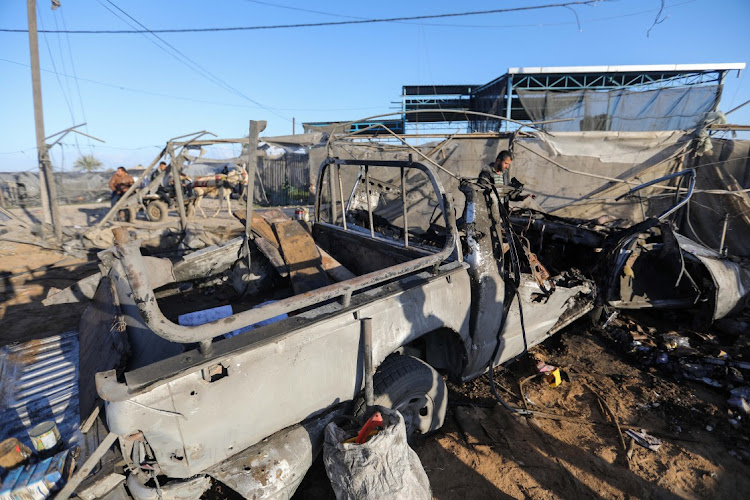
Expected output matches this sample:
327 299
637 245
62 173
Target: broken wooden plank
334 268
81 291
274 215
271 251
301 256
87 467
261 227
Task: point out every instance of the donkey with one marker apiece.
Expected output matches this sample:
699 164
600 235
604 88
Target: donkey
220 185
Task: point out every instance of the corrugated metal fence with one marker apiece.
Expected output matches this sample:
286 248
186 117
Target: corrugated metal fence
284 181
38 382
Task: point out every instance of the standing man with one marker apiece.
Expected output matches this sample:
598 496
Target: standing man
496 172
119 184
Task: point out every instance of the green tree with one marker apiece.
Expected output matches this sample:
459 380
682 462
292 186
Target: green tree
89 163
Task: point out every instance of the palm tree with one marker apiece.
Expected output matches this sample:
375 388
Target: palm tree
89 163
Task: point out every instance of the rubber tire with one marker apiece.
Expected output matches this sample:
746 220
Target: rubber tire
157 211
127 214
402 379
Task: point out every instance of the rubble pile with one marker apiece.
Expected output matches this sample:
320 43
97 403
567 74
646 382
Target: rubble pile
718 358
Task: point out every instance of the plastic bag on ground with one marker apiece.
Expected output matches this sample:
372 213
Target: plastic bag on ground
383 467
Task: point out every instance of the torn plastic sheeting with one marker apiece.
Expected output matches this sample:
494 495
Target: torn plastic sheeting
383 467
38 382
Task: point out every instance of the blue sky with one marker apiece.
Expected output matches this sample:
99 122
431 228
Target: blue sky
135 96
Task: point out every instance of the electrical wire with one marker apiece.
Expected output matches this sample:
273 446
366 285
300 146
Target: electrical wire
333 23
77 85
62 59
184 59
54 70
486 26
170 96
299 9
440 25
516 270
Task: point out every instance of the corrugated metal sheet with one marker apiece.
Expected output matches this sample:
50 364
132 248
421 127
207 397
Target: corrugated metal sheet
38 382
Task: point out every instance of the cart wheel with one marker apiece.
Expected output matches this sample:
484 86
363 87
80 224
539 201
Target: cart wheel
156 211
414 388
127 214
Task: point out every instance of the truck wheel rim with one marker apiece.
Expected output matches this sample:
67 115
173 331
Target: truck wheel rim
417 410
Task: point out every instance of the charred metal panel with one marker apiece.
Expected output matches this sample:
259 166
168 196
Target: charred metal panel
274 467
192 421
541 316
348 249
102 340
731 280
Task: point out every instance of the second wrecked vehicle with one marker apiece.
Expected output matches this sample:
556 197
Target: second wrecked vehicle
648 265
245 398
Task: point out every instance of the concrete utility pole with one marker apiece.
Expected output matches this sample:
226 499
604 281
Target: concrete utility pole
50 214
256 127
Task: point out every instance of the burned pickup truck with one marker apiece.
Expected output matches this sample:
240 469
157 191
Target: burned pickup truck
244 398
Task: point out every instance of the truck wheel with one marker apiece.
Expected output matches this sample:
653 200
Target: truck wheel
412 387
156 211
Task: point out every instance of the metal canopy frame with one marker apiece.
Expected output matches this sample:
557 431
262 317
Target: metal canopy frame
502 90
443 103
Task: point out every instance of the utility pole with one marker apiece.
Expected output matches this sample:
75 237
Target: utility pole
50 214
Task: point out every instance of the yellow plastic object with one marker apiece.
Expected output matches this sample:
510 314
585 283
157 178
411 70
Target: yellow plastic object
553 378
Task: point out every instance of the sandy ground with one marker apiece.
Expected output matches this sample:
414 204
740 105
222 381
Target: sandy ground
483 451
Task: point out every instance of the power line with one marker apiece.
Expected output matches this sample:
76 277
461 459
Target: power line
329 23
75 79
54 68
299 9
195 66
179 98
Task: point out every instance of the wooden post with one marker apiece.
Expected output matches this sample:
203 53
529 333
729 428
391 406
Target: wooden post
176 167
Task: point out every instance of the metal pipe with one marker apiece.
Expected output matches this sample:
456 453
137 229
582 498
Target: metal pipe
341 197
403 203
656 181
332 196
508 104
722 249
148 308
369 204
691 184
366 328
